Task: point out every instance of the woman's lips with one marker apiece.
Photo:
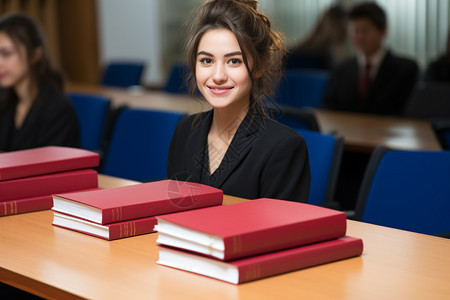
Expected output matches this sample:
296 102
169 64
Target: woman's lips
219 90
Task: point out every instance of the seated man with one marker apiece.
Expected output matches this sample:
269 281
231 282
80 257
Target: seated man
375 81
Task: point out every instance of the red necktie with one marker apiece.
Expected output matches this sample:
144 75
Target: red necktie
364 81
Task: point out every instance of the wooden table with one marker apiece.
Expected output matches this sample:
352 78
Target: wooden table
137 98
57 263
363 132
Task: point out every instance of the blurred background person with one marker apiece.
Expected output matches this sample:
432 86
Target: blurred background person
34 111
325 46
439 69
376 81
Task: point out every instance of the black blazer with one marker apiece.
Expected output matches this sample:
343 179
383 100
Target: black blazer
264 159
388 93
51 121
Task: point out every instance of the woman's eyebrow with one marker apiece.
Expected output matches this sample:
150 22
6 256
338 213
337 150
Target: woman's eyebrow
226 55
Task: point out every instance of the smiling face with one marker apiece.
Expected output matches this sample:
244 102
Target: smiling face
220 72
14 67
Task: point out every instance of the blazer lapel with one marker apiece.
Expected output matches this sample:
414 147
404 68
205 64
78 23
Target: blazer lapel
240 145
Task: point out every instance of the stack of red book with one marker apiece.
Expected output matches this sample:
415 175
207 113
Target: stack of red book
130 210
28 178
254 239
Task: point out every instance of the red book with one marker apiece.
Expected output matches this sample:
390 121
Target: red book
46 185
137 201
109 231
265 265
45 160
20 206
250 228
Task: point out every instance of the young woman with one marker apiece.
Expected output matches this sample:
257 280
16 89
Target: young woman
33 109
235 58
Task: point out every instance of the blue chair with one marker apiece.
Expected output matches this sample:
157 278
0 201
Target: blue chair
441 128
140 143
91 111
176 80
407 190
325 155
123 74
301 88
297 118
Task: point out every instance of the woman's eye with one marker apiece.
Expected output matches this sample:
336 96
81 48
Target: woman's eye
235 61
5 53
206 61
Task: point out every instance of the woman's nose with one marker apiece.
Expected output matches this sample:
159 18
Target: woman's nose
220 74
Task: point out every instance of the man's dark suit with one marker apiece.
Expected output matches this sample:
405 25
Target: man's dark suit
389 90
264 159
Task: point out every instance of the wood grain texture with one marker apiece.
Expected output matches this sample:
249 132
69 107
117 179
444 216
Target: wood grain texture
57 263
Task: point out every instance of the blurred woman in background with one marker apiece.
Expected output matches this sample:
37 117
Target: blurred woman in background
34 111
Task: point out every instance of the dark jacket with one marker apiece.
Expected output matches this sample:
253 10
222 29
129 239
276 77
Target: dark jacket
264 159
438 70
388 93
51 121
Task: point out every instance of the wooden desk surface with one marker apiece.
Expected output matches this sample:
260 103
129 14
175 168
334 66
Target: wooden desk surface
364 132
144 99
57 263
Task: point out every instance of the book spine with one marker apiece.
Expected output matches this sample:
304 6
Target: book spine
131 228
302 233
25 205
164 206
48 184
50 167
298 258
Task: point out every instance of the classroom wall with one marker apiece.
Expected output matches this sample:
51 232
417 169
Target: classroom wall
131 30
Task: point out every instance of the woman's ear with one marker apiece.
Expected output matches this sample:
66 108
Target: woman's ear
37 55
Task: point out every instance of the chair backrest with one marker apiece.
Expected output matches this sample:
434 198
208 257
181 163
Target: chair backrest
299 88
429 100
176 80
407 190
140 144
441 128
325 155
297 118
91 111
123 74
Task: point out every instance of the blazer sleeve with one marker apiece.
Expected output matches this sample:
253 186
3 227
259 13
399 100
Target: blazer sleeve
286 174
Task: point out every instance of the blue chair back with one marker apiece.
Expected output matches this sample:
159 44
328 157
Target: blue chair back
299 88
91 111
296 118
176 80
325 155
140 144
123 74
407 190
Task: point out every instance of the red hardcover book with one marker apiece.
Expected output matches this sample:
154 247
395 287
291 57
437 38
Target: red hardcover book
45 185
264 265
109 231
45 160
249 228
137 201
20 206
